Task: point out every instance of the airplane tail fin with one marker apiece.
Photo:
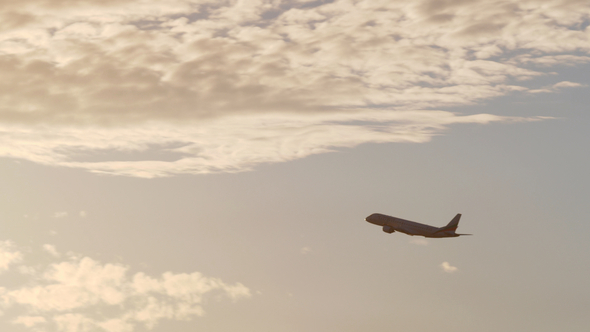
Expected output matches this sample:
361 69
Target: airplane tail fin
453 224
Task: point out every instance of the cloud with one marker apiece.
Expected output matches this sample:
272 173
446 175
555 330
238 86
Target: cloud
8 255
566 84
82 294
231 144
51 250
552 60
448 268
83 214
305 250
217 70
557 86
59 215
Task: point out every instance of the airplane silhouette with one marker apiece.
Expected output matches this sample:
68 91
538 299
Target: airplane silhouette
392 224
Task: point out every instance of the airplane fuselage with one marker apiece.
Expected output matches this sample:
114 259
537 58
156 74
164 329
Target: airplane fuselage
392 224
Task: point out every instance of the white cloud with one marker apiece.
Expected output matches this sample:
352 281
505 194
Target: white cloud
82 294
8 255
59 215
566 84
184 81
557 86
83 214
230 144
51 250
552 60
448 268
72 285
305 250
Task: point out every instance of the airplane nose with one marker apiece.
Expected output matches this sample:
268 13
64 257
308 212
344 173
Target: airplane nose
372 219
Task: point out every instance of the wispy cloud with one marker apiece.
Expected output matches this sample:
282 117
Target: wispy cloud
150 88
305 250
231 144
567 84
557 86
51 250
68 295
448 268
59 215
9 255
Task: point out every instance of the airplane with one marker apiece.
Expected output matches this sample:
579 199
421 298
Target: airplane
391 224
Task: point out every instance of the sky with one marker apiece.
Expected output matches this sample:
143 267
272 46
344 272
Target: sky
197 165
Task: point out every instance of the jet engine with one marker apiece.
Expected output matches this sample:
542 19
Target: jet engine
388 229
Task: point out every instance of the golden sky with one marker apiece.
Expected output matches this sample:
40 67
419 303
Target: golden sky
163 160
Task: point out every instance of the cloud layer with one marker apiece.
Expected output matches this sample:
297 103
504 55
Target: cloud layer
221 145
81 294
285 78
